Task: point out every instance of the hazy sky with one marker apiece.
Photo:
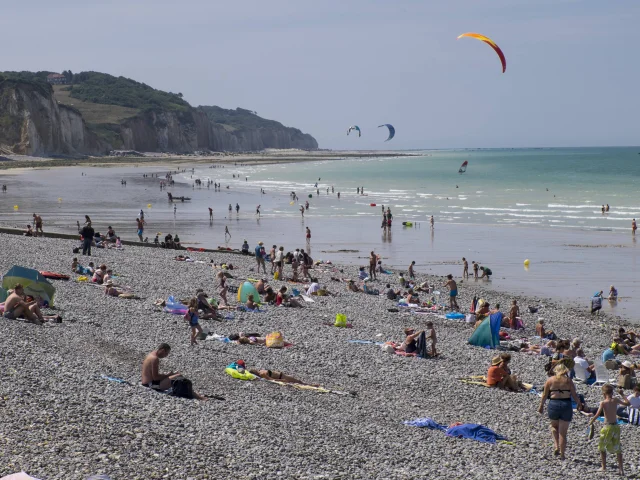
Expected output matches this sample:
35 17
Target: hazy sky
573 66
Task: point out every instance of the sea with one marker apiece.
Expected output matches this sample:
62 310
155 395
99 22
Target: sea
543 205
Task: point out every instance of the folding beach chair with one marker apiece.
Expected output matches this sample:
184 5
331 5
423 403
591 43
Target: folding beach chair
602 374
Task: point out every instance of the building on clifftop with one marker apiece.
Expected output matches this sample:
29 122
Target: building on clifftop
56 79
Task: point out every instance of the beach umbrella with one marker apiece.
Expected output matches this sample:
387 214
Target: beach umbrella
33 282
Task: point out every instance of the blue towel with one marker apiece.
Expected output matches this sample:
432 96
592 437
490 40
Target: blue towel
115 379
620 421
425 422
476 432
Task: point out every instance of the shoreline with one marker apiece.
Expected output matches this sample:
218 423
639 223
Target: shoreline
60 367
257 158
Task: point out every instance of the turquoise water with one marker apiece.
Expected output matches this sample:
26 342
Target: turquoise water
558 188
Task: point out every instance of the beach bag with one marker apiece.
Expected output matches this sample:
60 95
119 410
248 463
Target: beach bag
341 320
274 340
276 275
76 250
182 388
471 318
634 416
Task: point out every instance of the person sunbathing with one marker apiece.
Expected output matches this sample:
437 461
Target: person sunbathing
261 286
483 311
542 333
270 296
412 298
279 377
16 307
424 287
209 310
247 338
283 299
98 275
352 287
110 290
499 377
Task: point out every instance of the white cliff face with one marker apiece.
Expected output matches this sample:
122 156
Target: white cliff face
37 125
33 123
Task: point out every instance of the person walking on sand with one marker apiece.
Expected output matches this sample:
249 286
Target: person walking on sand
308 236
610 432
260 254
210 214
222 284
227 232
412 274
237 209
230 210
559 390
272 256
453 292
465 268
37 225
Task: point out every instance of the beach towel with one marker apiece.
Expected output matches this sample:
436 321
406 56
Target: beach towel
482 381
421 345
307 298
425 423
405 354
365 342
454 316
114 379
619 421
309 387
474 431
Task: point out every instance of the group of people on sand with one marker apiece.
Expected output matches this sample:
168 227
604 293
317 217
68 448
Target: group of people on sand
486 271
568 362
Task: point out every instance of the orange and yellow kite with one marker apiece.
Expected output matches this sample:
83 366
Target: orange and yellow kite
489 42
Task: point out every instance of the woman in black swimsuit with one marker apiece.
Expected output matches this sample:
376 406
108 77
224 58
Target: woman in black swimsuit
559 390
409 344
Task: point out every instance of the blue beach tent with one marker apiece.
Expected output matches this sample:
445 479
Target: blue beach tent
487 333
33 282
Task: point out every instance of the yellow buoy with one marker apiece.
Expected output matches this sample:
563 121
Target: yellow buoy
526 262
291 203
148 205
59 199
15 207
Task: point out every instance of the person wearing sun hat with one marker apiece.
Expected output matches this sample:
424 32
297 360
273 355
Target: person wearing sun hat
498 377
260 254
627 378
110 290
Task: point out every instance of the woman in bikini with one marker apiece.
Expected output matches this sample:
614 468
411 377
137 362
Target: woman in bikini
559 390
223 288
278 376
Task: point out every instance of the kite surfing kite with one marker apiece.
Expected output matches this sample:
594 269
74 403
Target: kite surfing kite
356 128
463 167
392 131
489 42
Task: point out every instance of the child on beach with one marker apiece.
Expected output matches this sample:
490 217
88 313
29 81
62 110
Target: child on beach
74 265
192 317
475 268
411 272
610 432
431 337
251 305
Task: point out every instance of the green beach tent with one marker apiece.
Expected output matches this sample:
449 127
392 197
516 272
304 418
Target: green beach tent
33 282
487 335
247 289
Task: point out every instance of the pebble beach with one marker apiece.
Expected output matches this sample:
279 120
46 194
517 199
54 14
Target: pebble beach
62 420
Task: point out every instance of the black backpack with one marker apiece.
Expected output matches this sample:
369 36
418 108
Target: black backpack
182 388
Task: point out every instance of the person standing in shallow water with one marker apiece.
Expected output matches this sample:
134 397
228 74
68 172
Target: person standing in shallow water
308 236
634 226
